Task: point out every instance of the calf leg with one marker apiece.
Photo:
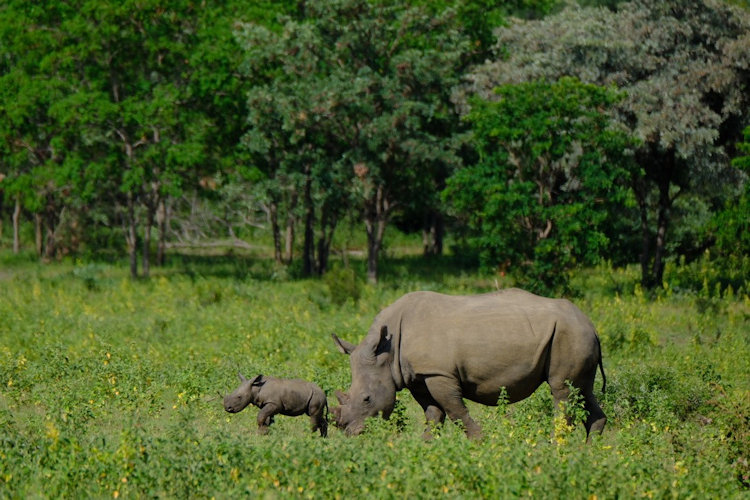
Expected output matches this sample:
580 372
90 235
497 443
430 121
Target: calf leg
447 394
317 418
265 417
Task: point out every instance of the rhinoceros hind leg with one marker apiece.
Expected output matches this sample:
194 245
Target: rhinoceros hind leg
447 394
560 394
319 423
316 410
596 419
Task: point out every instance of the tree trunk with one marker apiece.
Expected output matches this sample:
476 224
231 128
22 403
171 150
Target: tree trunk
38 235
309 244
327 228
131 237
375 232
640 194
376 219
665 205
16 223
50 222
146 257
161 224
660 170
273 215
289 237
432 233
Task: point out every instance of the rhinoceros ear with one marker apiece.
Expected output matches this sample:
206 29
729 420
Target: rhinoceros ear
242 377
384 343
257 380
343 398
344 346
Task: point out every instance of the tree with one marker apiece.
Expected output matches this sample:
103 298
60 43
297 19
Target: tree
683 65
34 164
135 111
548 164
731 226
359 108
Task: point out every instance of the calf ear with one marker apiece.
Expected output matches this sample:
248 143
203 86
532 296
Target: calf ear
242 377
257 380
344 346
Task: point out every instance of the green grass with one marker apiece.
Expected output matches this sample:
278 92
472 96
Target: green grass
108 388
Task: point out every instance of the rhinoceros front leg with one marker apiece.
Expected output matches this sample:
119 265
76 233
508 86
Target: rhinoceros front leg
434 415
265 417
447 394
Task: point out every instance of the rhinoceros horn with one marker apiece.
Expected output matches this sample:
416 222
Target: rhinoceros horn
342 397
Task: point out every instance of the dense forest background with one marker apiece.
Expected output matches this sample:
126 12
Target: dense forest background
534 136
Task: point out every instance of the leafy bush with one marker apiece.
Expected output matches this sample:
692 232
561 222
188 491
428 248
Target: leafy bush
343 285
711 276
547 158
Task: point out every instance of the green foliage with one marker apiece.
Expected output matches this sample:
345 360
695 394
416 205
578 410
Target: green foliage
731 226
710 276
679 64
548 159
349 111
110 391
343 285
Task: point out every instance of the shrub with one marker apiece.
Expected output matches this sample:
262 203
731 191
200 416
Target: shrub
343 285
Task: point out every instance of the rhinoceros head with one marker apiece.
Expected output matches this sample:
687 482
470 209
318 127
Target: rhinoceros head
243 395
373 390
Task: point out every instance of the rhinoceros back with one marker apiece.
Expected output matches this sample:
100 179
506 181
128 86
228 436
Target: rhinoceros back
489 341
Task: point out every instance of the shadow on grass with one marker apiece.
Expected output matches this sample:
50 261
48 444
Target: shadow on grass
405 271
392 271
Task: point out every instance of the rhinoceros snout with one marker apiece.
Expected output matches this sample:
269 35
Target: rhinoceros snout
351 428
231 405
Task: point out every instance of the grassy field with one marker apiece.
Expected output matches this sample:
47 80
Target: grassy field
109 390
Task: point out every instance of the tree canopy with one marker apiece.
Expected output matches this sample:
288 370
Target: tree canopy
127 128
683 66
548 163
353 102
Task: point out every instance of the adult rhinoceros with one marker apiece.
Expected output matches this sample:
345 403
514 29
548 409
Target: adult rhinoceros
446 348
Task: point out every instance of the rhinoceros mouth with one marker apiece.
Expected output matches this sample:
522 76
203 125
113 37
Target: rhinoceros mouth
354 430
350 428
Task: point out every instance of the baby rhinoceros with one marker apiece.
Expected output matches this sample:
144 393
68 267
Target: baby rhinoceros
291 397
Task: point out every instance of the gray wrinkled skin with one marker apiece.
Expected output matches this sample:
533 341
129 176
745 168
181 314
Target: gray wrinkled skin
291 397
445 349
